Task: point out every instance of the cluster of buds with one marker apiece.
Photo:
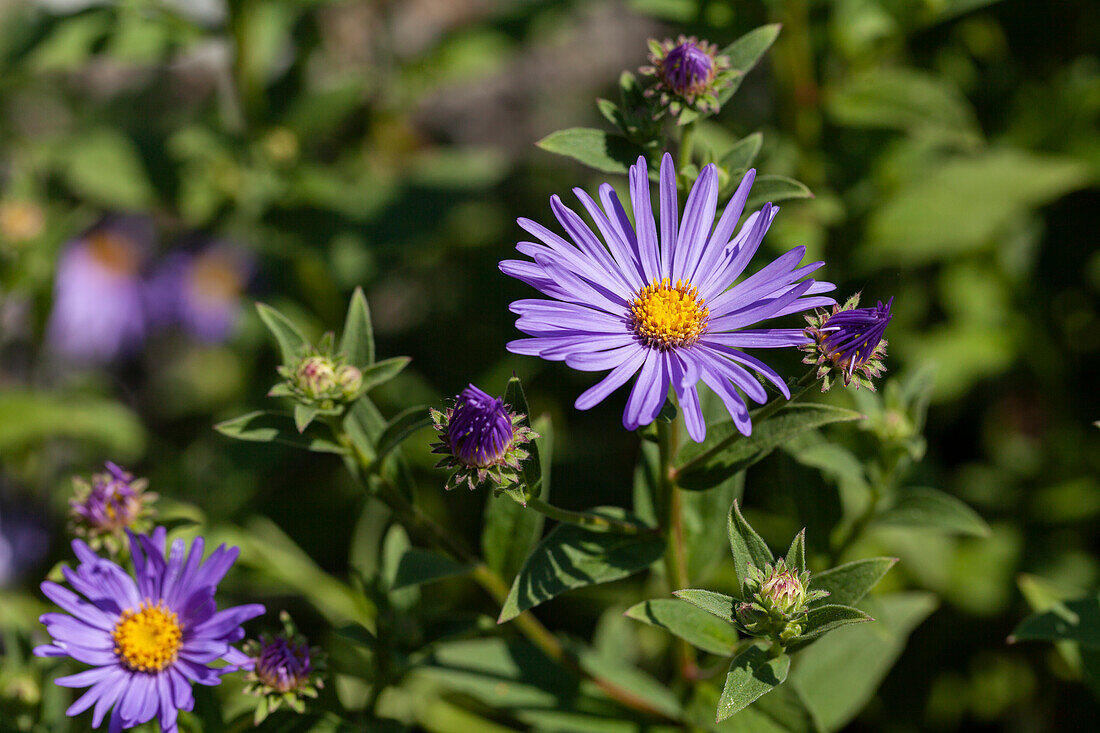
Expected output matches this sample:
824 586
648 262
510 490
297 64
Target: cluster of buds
775 602
688 74
285 670
320 378
104 508
848 341
481 440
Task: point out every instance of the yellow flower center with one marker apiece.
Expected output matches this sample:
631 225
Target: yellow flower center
149 639
666 316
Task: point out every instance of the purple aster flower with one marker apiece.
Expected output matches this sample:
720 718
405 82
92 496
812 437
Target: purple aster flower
24 540
108 505
663 304
97 310
146 637
480 437
850 339
201 291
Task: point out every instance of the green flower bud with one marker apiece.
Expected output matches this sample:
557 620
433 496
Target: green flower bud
350 380
315 376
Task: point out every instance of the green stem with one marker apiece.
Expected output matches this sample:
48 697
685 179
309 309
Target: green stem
758 416
585 519
427 531
687 144
671 520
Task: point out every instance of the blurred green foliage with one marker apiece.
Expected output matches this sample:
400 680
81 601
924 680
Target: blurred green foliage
953 150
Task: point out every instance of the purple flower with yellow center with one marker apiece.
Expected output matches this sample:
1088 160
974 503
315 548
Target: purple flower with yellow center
481 439
98 313
687 73
109 504
849 340
668 306
201 291
148 637
285 669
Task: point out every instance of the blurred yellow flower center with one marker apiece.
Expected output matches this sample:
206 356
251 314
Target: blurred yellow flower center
665 316
149 639
116 253
214 277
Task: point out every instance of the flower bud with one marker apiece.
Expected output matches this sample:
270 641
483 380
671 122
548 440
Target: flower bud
349 380
775 602
848 341
285 669
481 439
315 376
111 503
687 74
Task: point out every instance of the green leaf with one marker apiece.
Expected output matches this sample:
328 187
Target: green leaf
1070 621
418 566
626 677
290 339
796 556
357 634
973 199
774 189
571 557
935 510
823 619
104 166
841 671
357 340
905 99
718 604
383 371
401 427
739 158
511 529
597 149
745 52
531 470
263 426
847 584
29 417
303 416
725 451
747 546
695 626
780 711
753 673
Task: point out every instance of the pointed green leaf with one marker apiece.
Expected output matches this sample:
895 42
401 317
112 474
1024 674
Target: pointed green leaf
418 566
725 451
597 149
822 619
383 372
303 416
290 339
753 673
357 340
1070 621
571 557
611 112
357 634
400 427
934 510
264 426
796 556
718 604
531 471
739 158
747 546
774 189
511 529
745 52
692 624
847 584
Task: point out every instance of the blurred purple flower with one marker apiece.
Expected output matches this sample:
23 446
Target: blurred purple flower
24 541
97 309
200 291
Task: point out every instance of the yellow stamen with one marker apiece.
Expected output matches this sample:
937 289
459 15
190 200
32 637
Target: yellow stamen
149 639
666 316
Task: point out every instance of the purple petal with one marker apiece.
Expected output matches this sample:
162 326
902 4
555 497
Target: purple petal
761 338
598 361
715 247
649 393
617 378
698 219
643 220
670 212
